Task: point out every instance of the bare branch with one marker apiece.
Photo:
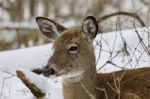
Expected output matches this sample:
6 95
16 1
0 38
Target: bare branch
32 87
134 15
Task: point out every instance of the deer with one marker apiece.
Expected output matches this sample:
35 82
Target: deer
74 59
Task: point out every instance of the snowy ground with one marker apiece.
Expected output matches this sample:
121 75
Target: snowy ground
30 58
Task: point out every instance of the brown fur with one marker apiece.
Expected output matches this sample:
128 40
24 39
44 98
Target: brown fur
135 83
131 84
62 59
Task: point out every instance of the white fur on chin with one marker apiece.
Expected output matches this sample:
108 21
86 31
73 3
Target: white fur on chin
73 77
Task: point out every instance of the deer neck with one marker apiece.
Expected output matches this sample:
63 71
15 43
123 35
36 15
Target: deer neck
81 89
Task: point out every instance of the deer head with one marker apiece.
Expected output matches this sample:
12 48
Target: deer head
73 51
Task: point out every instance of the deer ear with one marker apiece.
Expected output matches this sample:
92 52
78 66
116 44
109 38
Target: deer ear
49 28
89 28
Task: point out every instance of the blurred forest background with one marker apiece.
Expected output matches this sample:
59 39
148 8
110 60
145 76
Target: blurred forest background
19 30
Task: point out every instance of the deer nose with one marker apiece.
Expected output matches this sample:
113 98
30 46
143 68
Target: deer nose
48 71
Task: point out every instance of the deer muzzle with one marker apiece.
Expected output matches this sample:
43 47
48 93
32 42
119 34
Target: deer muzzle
52 70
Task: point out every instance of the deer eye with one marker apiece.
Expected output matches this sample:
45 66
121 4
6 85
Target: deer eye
73 48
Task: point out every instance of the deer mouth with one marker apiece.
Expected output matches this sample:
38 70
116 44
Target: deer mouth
52 71
67 76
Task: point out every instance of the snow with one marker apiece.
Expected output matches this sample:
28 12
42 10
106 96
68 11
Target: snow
36 57
28 58
49 86
113 42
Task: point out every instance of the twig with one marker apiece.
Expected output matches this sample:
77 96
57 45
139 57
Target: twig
134 15
142 43
9 73
104 90
4 79
117 82
91 96
32 87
